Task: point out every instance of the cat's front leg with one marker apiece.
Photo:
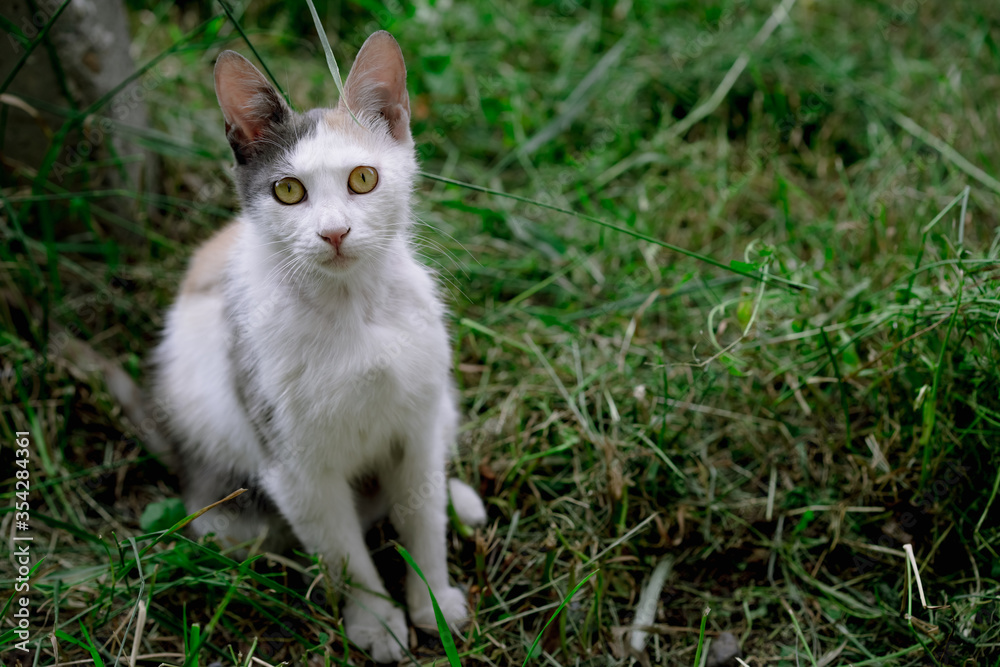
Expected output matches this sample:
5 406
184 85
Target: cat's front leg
320 509
418 489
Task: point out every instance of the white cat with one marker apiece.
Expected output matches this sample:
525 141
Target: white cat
306 357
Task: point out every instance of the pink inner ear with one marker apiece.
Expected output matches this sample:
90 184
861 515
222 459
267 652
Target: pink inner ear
235 99
399 120
248 101
377 84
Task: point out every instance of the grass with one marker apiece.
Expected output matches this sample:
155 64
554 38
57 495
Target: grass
622 401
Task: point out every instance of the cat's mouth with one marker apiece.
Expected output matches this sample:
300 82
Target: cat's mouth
337 260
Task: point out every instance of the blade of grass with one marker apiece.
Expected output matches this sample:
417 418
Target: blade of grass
91 647
193 645
565 601
331 61
226 599
446 639
32 46
840 384
931 402
776 18
947 151
253 49
798 632
9 27
138 599
573 106
701 636
784 282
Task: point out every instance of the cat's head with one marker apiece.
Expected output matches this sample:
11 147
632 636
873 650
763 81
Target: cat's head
328 190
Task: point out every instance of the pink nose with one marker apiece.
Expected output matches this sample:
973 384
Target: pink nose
336 236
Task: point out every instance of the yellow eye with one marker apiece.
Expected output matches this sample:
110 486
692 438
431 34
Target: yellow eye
289 191
362 180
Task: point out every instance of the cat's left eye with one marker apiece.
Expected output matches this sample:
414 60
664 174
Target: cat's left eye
362 180
289 190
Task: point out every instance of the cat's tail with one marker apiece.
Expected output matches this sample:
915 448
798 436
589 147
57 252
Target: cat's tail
467 504
146 427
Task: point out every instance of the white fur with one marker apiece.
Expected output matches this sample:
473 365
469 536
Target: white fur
467 503
352 358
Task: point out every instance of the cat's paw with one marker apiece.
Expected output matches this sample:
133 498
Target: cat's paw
467 503
453 605
364 625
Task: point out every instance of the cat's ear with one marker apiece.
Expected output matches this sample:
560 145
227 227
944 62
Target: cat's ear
250 105
377 84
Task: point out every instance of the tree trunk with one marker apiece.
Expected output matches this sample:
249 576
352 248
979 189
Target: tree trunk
84 56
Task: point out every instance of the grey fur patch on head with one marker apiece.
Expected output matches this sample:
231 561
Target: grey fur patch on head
254 176
260 126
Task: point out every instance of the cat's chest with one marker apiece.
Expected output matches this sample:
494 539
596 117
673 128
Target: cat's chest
325 370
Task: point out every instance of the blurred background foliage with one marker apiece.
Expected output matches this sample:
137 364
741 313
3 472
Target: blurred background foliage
623 403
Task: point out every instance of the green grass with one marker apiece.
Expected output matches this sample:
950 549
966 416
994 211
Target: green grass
621 400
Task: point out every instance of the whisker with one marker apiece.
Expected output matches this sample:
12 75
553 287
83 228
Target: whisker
445 274
444 250
441 231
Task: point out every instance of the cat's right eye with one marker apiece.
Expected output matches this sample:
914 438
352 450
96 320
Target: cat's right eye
362 180
289 190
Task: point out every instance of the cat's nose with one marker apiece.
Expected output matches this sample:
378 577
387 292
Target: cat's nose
335 236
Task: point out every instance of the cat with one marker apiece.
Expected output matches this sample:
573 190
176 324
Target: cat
306 356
